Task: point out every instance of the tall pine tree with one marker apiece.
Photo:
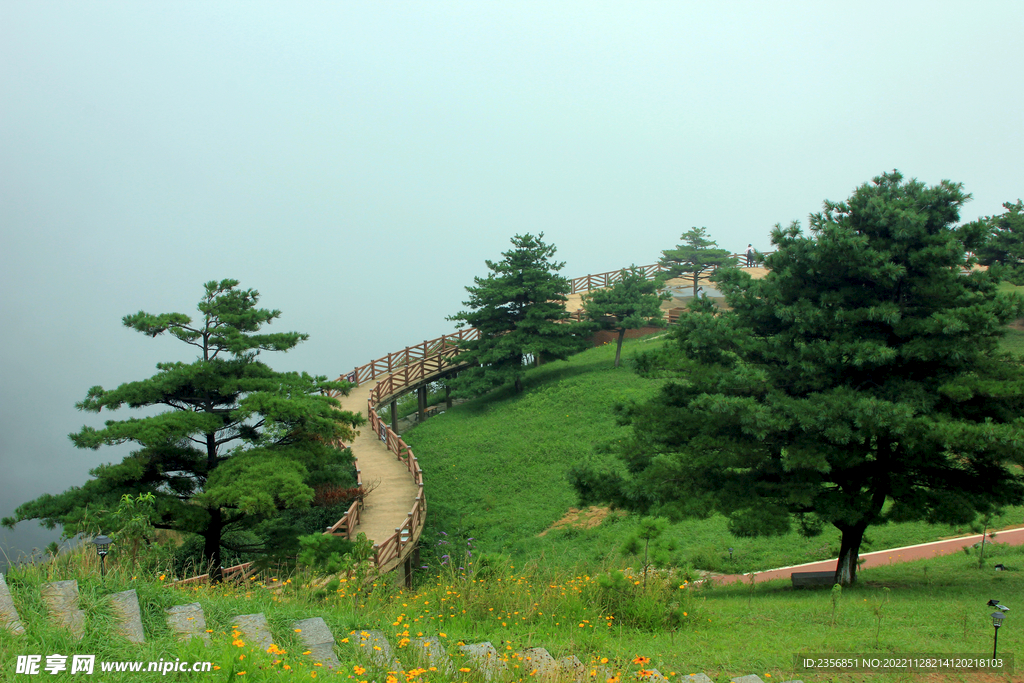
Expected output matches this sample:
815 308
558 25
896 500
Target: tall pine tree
519 309
696 256
629 304
236 443
859 382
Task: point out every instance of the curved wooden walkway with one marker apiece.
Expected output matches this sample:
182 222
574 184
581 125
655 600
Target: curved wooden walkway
387 505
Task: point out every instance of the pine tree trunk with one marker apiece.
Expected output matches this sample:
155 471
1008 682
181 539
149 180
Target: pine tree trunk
849 551
519 384
211 544
618 349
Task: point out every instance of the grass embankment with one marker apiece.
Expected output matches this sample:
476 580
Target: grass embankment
495 470
934 606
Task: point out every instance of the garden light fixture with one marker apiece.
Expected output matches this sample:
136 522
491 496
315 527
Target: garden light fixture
997 621
102 543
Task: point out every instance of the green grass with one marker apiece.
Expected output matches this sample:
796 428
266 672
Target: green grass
496 470
932 606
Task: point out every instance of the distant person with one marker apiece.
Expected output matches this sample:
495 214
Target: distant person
750 256
701 294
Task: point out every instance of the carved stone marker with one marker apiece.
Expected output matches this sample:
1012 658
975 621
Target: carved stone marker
8 614
129 618
188 621
61 598
315 635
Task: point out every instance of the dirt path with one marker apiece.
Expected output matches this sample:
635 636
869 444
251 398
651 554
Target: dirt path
883 557
389 503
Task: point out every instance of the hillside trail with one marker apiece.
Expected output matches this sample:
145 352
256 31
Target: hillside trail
393 492
880 558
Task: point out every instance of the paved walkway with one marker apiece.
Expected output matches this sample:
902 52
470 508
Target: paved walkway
883 557
393 494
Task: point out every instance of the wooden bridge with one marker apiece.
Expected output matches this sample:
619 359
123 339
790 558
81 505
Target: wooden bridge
392 515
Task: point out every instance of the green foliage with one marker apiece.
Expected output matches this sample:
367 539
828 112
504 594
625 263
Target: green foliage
517 308
631 303
135 529
864 369
1004 248
238 443
694 257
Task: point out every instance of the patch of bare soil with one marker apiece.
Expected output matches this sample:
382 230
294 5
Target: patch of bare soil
1017 324
581 519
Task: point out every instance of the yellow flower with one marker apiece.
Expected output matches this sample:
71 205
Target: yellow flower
641 660
238 643
464 670
240 673
604 660
163 576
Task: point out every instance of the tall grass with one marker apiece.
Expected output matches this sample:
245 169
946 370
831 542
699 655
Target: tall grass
604 617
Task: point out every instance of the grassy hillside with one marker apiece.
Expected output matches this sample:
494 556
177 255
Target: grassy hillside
495 471
935 606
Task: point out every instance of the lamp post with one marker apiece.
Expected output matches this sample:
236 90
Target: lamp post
997 621
102 543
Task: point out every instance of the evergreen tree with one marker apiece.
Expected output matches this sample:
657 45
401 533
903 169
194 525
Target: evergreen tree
631 303
694 257
519 309
238 442
1004 249
863 370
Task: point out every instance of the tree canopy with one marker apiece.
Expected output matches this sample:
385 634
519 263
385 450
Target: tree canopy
236 443
519 309
631 303
1004 248
694 257
859 382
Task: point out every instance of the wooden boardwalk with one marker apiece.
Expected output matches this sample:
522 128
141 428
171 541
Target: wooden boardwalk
387 505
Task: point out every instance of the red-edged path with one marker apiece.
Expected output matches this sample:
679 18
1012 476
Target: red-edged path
883 557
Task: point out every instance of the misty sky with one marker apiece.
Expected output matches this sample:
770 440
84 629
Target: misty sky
357 162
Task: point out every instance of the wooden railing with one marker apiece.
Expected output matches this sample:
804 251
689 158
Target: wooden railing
602 280
393 361
400 370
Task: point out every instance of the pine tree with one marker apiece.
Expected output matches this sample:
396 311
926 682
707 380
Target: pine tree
859 382
238 442
1004 248
694 257
519 309
631 303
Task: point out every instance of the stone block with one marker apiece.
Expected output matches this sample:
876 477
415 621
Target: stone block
746 679
319 640
428 652
254 629
484 657
538 663
128 616
187 621
597 674
8 613
61 599
812 580
696 678
571 669
654 676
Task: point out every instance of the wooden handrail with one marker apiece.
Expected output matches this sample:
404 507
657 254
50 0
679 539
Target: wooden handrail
399 370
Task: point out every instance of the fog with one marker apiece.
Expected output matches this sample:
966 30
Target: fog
357 163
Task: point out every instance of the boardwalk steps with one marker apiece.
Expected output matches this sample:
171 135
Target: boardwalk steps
372 647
